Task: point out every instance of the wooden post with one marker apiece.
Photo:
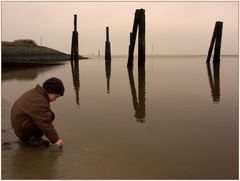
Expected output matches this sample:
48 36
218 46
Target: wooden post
75 22
74 48
130 53
216 40
217 50
139 21
107 46
141 38
133 35
211 45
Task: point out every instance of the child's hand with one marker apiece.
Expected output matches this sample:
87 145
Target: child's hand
59 143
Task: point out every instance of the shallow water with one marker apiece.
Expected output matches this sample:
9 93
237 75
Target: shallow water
175 119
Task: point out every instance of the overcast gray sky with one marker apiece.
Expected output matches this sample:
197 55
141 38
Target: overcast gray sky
171 27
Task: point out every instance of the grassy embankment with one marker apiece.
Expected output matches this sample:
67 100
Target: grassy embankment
27 52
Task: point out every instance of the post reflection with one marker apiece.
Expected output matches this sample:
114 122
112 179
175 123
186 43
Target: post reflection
108 74
214 81
138 102
75 76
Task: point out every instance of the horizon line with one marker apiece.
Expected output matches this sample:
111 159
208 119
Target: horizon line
164 55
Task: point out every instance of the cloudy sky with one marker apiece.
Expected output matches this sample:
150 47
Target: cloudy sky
171 27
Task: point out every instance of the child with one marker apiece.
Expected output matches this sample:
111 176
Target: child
31 116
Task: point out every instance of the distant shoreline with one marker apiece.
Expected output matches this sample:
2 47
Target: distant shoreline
27 52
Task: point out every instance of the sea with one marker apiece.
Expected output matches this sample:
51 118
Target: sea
177 118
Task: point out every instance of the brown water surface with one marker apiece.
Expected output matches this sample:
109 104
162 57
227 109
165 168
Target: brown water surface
175 119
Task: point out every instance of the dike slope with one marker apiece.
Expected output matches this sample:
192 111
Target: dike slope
27 52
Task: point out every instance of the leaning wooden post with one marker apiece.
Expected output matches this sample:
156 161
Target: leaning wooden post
141 38
107 46
133 35
139 22
130 53
211 45
216 40
74 48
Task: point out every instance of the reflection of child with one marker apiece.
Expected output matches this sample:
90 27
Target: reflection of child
31 116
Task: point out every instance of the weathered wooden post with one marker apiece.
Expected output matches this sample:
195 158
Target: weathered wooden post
211 45
139 23
107 46
216 40
130 53
217 50
74 48
141 38
133 39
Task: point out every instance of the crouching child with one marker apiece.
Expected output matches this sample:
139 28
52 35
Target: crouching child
31 116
